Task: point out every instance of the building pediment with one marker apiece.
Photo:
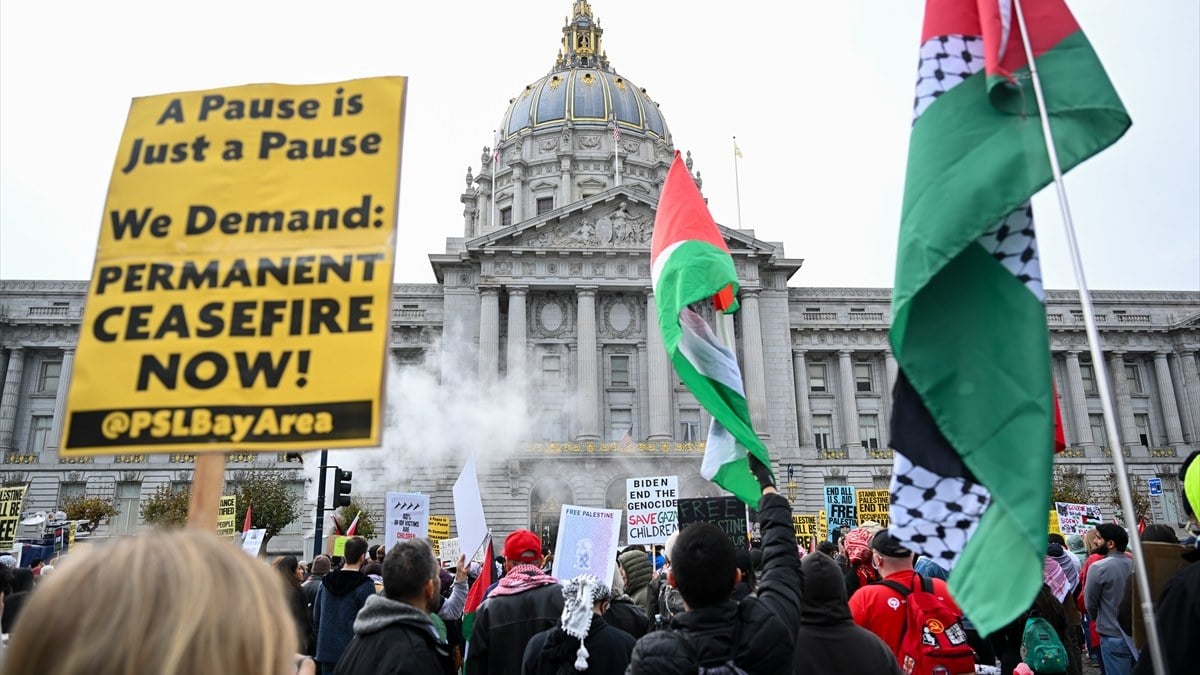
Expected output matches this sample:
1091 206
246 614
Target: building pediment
615 219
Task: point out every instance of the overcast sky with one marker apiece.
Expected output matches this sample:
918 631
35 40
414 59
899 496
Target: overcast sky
819 96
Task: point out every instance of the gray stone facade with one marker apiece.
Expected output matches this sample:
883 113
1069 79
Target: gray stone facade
548 290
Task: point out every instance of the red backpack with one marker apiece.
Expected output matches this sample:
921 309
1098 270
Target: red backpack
932 639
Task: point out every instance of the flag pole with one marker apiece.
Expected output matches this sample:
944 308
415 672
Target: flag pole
1106 404
737 186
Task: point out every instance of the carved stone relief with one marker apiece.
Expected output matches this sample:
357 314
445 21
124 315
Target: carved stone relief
504 267
575 269
528 269
616 229
553 315
547 145
589 141
599 269
621 316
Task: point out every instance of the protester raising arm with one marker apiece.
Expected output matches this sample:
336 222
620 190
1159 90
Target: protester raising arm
453 607
782 579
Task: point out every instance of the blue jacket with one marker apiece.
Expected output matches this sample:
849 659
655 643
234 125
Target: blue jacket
341 595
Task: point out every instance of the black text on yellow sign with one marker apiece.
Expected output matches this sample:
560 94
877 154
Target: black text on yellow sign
240 296
11 499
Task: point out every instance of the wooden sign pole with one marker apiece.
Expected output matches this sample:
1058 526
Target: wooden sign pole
207 484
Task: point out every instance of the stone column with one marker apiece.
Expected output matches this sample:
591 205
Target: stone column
1124 405
892 370
1166 392
849 400
518 201
1191 380
1181 395
8 400
517 334
60 399
803 409
1079 408
660 375
489 332
588 391
752 350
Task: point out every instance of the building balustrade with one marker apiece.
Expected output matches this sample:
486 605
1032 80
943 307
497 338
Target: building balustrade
1133 318
615 447
133 458
408 314
833 454
18 457
880 453
86 459
1164 452
1074 453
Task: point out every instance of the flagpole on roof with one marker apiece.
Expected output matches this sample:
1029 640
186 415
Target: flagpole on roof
1089 318
737 184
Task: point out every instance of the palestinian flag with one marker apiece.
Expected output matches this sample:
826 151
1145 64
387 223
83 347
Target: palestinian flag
690 263
973 418
475 596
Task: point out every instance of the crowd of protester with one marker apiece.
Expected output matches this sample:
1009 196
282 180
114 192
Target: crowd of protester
186 602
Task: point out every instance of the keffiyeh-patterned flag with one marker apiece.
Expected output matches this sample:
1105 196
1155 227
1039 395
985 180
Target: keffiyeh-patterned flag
973 418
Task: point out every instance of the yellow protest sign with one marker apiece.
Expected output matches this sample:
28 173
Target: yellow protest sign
1053 526
439 530
243 270
822 525
806 525
70 534
874 505
227 517
11 499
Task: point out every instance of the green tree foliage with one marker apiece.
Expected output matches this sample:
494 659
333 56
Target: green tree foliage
167 508
367 519
270 498
91 509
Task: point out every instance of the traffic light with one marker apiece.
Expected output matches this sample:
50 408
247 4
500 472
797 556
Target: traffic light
341 487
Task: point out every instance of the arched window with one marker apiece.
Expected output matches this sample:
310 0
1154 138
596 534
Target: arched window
615 498
545 506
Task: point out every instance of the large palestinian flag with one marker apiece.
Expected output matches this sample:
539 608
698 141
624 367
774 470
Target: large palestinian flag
689 263
973 418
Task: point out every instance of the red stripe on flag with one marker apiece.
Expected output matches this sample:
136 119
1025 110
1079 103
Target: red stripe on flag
682 213
1049 22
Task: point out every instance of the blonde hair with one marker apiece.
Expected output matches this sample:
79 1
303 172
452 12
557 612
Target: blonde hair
174 603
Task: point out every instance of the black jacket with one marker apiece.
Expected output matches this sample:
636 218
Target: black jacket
757 633
553 652
627 615
828 640
391 638
505 624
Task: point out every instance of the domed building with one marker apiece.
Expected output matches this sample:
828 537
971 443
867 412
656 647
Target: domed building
544 303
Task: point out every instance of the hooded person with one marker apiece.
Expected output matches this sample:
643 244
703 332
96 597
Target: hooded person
343 593
394 632
623 612
635 565
828 640
857 547
583 641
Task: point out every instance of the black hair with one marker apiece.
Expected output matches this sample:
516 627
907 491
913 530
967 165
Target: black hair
408 566
287 567
703 562
1114 533
1056 538
828 548
356 548
1161 533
